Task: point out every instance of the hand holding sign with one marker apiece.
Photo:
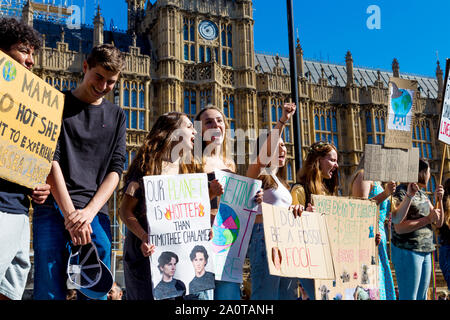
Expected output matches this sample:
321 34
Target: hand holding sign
297 210
40 193
439 193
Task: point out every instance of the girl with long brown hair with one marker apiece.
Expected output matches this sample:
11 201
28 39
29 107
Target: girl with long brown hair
319 175
166 150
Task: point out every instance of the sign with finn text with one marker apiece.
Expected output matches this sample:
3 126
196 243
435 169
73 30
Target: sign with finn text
233 224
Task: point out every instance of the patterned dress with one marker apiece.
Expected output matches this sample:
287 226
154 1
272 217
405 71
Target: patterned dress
387 290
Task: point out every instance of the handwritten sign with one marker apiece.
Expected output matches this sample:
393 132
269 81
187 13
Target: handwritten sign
352 226
30 123
233 224
444 128
297 247
400 165
400 113
178 214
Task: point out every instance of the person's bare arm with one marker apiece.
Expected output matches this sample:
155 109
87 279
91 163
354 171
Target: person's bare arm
270 144
126 213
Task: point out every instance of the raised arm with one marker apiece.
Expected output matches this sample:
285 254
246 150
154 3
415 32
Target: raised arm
270 144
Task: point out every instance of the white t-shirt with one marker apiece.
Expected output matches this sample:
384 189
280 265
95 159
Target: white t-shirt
280 197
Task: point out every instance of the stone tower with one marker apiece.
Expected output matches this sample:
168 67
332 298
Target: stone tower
136 11
98 28
204 54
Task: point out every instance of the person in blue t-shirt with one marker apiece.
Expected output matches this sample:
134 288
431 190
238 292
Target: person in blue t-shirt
19 41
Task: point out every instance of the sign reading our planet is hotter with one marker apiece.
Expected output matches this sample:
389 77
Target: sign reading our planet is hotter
233 224
30 123
178 215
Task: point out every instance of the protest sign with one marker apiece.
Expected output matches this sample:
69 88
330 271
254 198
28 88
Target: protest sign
382 164
444 128
297 247
352 226
178 214
30 123
233 224
400 113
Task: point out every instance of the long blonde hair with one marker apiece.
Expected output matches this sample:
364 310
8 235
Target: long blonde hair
310 175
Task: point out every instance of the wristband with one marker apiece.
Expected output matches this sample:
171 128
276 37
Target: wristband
283 122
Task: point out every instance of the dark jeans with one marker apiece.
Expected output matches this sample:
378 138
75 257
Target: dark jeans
50 244
444 262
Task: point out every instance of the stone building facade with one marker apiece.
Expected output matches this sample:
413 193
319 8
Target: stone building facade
184 54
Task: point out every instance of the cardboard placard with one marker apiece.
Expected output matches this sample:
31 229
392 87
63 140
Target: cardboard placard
401 106
297 247
178 214
444 127
233 224
30 124
382 164
352 226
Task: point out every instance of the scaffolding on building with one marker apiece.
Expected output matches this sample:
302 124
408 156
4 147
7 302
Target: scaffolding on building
48 10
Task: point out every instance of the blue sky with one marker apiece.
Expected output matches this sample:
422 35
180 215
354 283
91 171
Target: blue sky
413 31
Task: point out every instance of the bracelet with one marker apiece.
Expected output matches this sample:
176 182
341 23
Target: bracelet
409 196
283 122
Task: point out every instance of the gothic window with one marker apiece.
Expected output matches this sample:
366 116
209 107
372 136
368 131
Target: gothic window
190 103
129 156
289 172
134 105
189 39
264 111
202 54
375 126
422 139
227 44
205 98
229 111
325 125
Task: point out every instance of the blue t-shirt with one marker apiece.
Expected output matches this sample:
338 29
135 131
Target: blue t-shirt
14 197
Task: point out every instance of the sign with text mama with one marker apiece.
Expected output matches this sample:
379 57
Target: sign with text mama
178 215
297 247
30 123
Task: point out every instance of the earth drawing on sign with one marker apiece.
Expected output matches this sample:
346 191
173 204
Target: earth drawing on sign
225 229
401 102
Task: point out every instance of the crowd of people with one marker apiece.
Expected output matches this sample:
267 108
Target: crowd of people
88 164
